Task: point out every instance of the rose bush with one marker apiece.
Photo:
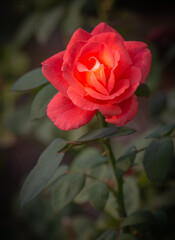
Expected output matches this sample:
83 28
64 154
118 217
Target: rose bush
97 71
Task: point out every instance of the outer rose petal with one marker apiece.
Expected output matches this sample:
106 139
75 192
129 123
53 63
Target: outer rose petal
101 28
88 103
140 56
79 35
52 71
72 54
66 115
129 109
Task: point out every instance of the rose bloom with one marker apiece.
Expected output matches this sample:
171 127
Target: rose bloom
98 71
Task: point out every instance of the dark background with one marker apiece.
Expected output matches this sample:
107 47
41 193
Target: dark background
33 30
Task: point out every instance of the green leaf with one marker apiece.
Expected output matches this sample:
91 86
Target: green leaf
164 131
127 236
143 90
132 201
125 162
109 235
89 158
61 170
43 171
140 217
66 189
157 159
112 206
105 133
102 172
98 195
30 80
40 102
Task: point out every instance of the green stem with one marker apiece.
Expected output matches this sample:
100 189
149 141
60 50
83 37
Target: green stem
118 181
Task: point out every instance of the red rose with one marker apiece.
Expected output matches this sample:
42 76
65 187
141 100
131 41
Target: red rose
97 71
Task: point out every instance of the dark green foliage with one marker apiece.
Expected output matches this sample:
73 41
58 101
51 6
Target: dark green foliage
125 162
105 133
140 217
41 100
43 171
30 80
98 195
163 131
66 189
157 159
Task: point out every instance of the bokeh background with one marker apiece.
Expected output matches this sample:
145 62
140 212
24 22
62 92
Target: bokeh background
32 31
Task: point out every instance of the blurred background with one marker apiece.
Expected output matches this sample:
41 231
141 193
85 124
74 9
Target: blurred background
32 31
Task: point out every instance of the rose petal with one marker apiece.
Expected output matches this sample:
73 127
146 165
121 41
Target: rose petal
111 81
134 76
121 86
109 109
129 109
52 71
99 50
115 43
101 28
72 54
79 35
81 67
68 75
100 75
140 56
97 69
66 115
91 78
90 104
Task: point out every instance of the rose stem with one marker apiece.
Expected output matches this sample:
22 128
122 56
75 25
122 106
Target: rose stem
119 181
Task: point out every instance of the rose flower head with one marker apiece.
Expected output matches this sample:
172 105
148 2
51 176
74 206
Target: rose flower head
98 71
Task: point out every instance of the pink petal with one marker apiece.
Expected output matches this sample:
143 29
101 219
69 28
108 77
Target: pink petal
112 79
111 82
87 103
91 78
52 71
101 28
66 115
121 86
72 54
109 109
100 74
140 56
129 109
81 67
133 74
98 50
79 35
115 43
68 75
